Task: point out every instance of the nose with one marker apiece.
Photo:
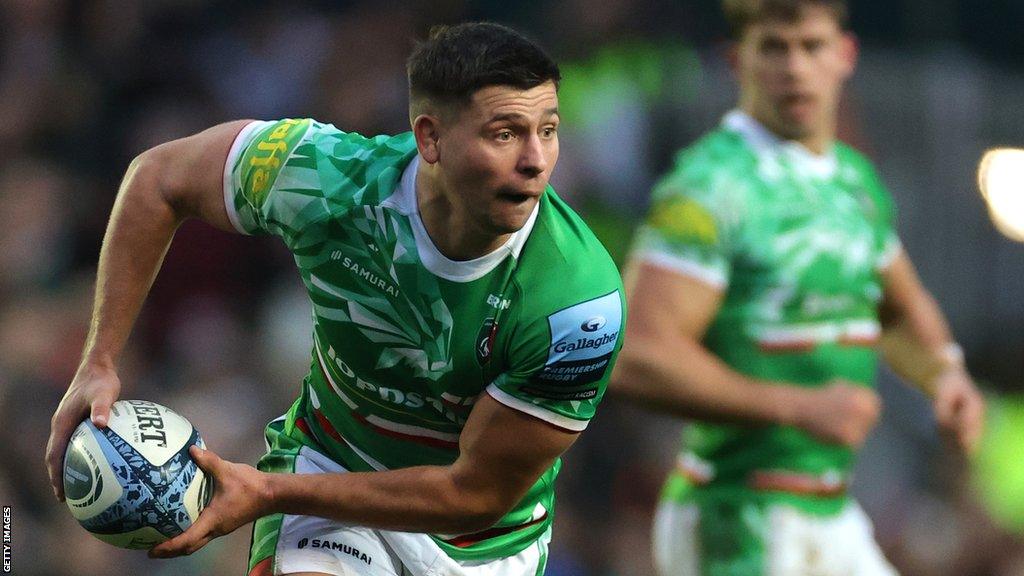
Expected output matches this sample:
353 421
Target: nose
796 63
532 160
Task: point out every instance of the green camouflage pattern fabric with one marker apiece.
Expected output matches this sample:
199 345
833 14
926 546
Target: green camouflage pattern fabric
403 350
797 244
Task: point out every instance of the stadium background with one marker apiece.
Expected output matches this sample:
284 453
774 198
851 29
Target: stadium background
86 85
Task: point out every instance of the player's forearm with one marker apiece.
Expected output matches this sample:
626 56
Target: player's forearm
918 344
683 378
140 229
420 499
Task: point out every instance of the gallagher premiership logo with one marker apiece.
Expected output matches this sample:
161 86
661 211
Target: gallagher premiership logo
594 324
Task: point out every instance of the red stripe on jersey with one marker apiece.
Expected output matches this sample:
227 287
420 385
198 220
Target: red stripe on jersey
301 424
470 539
782 347
425 440
263 567
326 426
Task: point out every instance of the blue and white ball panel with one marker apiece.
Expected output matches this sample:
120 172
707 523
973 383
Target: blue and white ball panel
122 496
155 431
90 484
583 338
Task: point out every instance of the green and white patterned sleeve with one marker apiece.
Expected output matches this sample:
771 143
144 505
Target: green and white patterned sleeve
687 230
879 205
560 362
260 156
889 240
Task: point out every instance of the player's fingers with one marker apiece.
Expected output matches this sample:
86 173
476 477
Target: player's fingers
60 433
99 411
164 550
969 440
973 426
195 546
955 429
185 541
959 422
205 459
945 409
183 548
53 467
168 548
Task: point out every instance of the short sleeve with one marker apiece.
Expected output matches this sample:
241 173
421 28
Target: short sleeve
889 240
891 248
882 213
560 362
687 230
267 184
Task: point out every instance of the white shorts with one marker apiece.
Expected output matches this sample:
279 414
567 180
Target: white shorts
314 544
793 543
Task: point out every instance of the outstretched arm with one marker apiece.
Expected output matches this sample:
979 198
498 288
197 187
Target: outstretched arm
162 187
918 345
502 453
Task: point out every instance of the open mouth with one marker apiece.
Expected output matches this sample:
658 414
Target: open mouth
797 100
515 197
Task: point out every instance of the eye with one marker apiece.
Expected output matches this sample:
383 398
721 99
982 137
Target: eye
504 136
549 131
772 47
813 46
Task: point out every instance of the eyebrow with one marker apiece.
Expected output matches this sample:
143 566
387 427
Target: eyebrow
519 115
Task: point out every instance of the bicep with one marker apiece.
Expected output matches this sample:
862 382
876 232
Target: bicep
502 452
191 172
902 289
665 303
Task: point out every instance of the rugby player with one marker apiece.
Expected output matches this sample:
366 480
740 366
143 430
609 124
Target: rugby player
761 286
465 320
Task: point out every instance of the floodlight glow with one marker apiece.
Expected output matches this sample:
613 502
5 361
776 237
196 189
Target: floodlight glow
1001 180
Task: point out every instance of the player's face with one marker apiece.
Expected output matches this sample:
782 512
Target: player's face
499 154
791 73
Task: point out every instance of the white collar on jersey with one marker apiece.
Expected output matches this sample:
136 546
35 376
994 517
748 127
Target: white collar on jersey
404 201
764 142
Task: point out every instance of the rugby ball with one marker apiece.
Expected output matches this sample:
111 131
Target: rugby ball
133 483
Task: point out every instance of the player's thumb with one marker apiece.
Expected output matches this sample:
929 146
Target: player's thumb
204 458
99 412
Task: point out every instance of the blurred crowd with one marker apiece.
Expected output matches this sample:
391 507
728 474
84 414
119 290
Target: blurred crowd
224 338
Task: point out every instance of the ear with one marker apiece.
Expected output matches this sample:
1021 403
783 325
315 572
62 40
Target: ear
427 130
732 56
849 48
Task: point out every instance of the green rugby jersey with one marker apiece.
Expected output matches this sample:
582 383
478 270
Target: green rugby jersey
405 339
797 242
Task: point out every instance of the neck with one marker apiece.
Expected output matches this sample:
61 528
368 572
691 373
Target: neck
453 231
818 140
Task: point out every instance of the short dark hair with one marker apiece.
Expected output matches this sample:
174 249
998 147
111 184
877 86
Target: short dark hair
740 14
456 61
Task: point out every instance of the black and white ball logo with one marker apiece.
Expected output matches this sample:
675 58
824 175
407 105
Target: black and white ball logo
594 324
83 482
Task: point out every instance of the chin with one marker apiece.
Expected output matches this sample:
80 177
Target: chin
798 124
794 128
512 220
508 225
